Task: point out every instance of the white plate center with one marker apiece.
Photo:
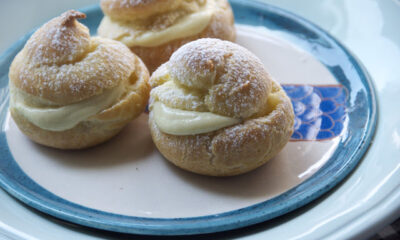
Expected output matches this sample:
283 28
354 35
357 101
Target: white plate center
128 176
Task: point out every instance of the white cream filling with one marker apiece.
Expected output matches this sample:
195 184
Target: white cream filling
189 25
65 117
182 122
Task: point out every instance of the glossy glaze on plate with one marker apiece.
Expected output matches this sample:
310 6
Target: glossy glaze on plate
342 65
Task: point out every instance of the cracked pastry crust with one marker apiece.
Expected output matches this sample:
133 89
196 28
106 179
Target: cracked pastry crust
222 78
127 19
62 66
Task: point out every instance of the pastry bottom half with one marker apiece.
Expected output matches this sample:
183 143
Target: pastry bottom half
233 150
100 127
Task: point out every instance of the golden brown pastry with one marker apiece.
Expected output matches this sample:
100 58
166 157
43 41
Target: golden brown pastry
216 111
71 91
154 29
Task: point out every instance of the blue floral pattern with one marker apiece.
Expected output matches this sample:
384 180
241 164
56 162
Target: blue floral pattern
320 111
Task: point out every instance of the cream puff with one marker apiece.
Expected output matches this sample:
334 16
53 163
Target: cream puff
70 91
214 110
154 29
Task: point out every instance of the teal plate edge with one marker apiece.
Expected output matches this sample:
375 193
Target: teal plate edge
362 115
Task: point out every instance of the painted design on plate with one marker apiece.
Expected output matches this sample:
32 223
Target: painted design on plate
319 111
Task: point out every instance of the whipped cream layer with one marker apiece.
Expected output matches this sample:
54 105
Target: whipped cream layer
189 25
182 122
65 117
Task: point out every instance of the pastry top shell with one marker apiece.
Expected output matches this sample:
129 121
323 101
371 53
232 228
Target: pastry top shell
62 64
223 77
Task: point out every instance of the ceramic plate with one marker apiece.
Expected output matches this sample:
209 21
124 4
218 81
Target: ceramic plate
126 186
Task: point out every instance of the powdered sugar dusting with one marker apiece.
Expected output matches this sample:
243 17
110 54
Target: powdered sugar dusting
136 17
128 3
176 97
234 80
62 63
60 40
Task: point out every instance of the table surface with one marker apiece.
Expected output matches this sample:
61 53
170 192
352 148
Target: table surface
371 37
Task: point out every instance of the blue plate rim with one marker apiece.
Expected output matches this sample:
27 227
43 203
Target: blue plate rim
202 224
